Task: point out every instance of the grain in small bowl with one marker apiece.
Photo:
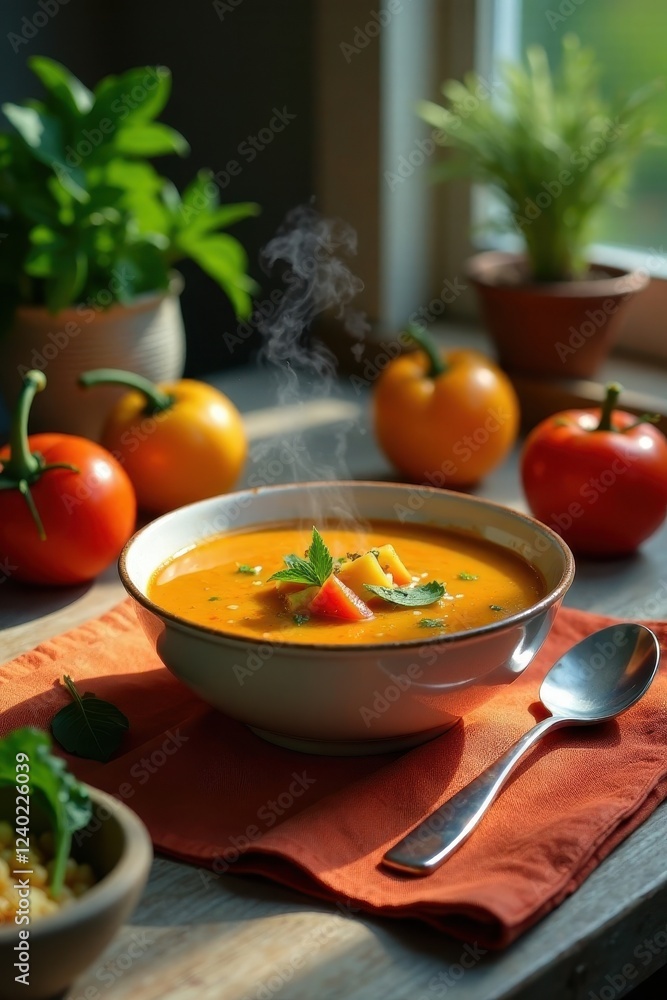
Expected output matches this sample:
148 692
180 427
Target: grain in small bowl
50 932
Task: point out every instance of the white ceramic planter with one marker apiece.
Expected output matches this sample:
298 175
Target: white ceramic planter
145 337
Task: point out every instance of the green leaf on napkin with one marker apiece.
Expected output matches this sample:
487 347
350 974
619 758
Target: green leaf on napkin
89 727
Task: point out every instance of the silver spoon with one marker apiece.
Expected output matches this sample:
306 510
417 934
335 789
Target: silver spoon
599 678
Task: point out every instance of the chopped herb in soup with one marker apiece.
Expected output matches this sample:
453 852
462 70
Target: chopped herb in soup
387 583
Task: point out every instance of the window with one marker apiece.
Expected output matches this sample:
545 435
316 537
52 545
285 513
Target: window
629 42
375 156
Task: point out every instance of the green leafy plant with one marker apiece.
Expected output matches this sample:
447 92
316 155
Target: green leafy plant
85 217
47 777
553 148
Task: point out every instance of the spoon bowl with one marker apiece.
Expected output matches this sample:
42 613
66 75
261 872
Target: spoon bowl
601 677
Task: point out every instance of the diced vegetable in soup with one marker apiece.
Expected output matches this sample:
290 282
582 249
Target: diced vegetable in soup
385 583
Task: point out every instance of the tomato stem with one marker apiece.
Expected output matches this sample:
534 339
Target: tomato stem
22 464
156 400
24 490
424 340
646 418
614 390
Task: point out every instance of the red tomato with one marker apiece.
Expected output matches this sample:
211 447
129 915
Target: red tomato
335 600
72 522
598 478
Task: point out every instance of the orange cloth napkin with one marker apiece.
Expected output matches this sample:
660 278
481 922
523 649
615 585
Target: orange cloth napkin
214 794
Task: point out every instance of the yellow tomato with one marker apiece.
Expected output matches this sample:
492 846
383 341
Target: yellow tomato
444 420
178 441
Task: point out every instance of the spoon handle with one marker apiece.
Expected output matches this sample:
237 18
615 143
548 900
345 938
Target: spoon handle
437 837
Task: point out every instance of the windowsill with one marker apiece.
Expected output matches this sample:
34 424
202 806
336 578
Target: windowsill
644 381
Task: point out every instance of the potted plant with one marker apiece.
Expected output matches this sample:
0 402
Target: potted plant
90 236
556 152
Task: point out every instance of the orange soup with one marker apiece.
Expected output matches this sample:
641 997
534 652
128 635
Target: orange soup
445 582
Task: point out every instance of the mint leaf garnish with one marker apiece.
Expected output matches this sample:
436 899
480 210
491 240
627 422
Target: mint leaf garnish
409 597
298 571
313 570
319 557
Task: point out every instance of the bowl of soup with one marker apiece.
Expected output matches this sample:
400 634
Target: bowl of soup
346 618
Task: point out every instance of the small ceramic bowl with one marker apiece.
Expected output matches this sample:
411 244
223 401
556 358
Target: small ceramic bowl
353 699
64 944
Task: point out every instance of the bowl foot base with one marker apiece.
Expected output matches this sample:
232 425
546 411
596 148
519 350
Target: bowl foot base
352 748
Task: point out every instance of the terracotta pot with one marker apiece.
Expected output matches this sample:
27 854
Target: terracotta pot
146 336
563 329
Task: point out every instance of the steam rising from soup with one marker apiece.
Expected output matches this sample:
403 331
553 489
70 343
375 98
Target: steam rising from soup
313 252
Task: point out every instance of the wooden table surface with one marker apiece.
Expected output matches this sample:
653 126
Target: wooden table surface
239 938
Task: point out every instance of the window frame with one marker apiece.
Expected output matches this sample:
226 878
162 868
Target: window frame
362 123
641 329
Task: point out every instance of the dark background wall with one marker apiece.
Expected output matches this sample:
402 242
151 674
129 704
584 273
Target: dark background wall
231 67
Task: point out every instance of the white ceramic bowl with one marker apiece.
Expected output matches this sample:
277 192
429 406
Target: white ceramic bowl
61 945
347 699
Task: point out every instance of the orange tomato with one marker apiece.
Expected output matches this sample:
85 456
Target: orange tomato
178 441
446 420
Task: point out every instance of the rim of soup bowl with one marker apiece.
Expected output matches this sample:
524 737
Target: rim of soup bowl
554 595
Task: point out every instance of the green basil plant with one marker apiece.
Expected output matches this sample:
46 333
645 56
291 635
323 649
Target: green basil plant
84 215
